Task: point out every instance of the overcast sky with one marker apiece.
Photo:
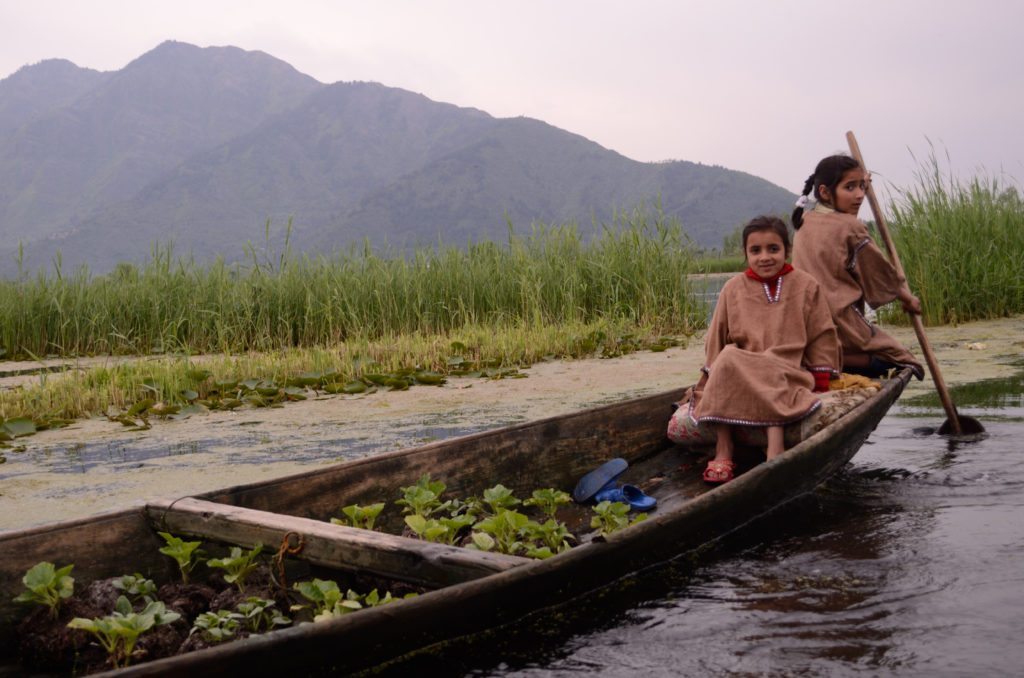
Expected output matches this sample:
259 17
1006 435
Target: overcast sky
763 87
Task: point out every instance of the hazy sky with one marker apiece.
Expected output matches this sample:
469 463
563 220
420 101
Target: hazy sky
763 87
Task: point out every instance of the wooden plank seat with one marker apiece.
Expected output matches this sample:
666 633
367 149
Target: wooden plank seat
346 548
834 404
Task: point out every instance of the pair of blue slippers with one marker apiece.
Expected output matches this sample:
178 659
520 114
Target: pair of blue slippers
599 485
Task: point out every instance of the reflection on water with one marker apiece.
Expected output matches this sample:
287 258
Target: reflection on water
909 562
993 398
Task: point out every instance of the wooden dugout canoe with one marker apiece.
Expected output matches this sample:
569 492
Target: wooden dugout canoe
468 591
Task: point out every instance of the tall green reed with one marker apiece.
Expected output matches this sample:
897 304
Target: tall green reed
635 268
961 245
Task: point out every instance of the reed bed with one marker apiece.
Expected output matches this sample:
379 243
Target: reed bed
548 294
635 269
721 264
961 245
114 388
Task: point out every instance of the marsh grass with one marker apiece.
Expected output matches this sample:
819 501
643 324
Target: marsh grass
549 294
720 264
634 269
961 245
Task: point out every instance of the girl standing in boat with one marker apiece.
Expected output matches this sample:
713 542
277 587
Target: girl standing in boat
836 249
770 346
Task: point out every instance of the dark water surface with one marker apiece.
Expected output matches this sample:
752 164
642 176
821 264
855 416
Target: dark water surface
909 562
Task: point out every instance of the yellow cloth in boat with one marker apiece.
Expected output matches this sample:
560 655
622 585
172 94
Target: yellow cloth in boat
846 393
852 381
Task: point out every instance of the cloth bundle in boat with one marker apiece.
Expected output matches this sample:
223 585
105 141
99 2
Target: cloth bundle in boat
834 404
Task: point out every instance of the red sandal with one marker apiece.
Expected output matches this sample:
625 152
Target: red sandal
719 471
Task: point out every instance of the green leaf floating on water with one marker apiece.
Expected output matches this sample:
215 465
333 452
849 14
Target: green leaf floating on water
140 407
432 378
397 384
21 426
249 384
295 393
354 387
188 411
306 379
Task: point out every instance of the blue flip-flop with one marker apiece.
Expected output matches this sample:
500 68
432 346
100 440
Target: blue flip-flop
603 477
627 494
637 498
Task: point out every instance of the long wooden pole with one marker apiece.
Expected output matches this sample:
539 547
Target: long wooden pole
929 356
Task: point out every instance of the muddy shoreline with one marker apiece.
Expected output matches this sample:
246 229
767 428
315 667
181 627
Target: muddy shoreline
96 465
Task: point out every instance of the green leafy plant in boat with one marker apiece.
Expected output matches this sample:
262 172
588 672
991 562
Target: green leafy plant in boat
502 532
118 632
259 615
499 498
217 627
423 498
327 599
551 535
47 585
548 500
185 553
237 566
362 517
136 587
612 516
445 530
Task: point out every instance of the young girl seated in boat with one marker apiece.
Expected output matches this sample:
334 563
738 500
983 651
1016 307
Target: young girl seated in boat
771 345
834 247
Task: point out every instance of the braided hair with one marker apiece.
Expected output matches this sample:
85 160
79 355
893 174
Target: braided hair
829 173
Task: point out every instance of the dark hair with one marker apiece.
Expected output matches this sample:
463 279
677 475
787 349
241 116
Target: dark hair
766 223
829 172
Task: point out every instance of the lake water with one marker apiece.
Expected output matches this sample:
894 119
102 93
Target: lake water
910 562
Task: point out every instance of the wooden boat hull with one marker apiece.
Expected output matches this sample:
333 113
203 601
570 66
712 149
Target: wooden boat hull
552 452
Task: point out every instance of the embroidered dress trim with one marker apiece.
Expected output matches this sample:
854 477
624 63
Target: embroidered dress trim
778 291
777 283
866 321
745 422
856 250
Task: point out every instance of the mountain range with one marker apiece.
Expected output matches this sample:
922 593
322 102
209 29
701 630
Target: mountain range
203 147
